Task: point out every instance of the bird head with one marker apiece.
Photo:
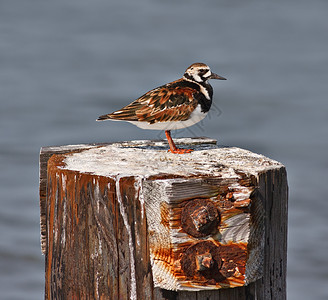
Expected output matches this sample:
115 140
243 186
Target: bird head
200 72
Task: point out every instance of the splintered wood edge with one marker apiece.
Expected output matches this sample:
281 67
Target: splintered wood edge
48 151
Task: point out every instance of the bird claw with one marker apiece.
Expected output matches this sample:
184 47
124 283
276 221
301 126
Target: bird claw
180 151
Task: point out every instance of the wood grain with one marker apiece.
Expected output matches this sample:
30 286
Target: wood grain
111 222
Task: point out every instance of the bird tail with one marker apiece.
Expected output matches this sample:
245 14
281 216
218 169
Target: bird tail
121 115
104 117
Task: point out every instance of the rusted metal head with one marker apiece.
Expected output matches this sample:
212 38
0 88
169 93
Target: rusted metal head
200 217
211 263
204 261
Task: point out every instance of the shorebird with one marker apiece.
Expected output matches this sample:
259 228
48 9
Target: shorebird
175 105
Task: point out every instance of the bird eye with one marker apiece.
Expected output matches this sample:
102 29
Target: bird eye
203 71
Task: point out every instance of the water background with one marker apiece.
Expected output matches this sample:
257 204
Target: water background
65 62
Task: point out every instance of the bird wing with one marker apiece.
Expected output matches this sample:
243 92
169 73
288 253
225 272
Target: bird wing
171 102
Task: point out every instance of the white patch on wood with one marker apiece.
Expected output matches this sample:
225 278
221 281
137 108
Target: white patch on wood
55 231
139 195
237 229
98 192
158 235
133 292
63 234
63 180
139 159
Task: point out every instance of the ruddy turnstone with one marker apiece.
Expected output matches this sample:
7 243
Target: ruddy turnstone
176 105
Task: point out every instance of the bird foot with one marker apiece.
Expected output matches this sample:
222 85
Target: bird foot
180 151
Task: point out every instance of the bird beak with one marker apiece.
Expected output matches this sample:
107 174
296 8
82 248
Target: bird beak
216 76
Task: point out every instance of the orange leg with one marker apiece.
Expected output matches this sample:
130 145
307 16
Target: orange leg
173 147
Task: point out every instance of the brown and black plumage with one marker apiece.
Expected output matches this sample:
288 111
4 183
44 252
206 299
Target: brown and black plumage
176 105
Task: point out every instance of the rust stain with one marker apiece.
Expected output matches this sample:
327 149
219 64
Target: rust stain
200 217
207 262
227 263
69 242
222 265
165 218
242 203
164 254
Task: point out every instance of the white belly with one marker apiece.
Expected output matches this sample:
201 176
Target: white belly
195 117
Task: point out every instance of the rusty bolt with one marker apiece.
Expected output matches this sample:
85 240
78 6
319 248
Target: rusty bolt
204 261
209 262
200 217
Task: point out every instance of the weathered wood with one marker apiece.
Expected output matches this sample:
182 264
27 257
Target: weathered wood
131 221
45 154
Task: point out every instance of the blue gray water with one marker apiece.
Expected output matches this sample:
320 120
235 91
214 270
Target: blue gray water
64 63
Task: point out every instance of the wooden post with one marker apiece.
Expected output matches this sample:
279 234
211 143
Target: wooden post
131 221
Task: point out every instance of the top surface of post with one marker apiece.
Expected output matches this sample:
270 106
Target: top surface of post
148 158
